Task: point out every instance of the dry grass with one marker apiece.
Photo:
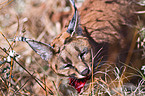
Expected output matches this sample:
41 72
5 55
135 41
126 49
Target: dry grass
29 75
29 18
41 20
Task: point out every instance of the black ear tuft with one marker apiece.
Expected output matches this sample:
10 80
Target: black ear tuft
43 49
74 26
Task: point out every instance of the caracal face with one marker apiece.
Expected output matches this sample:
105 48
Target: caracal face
73 58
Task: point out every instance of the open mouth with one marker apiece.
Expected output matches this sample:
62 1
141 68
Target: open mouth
78 84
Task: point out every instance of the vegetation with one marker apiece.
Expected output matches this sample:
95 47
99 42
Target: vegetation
23 72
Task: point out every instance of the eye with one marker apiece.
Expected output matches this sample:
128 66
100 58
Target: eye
85 50
82 54
69 65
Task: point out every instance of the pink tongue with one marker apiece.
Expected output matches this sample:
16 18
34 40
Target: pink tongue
78 84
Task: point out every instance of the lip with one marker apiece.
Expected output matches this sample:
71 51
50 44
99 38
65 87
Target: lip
79 76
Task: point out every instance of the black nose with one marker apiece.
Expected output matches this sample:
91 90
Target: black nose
85 72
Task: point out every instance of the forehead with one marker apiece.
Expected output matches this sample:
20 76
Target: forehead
74 47
77 44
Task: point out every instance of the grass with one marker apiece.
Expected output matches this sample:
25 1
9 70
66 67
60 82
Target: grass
29 75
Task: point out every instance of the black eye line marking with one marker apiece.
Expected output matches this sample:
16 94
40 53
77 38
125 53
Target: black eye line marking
68 60
82 54
69 65
85 51
62 60
77 49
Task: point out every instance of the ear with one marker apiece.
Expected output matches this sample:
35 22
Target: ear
43 49
74 25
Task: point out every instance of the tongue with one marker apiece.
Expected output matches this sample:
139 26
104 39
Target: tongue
78 84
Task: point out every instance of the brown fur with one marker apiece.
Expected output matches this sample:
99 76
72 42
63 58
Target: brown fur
108 38
110 25
113 22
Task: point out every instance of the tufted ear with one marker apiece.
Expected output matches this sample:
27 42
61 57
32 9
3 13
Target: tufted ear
43 49
74 25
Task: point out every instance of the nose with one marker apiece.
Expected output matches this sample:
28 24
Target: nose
85 72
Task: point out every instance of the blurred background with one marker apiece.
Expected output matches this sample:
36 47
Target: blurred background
40 20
